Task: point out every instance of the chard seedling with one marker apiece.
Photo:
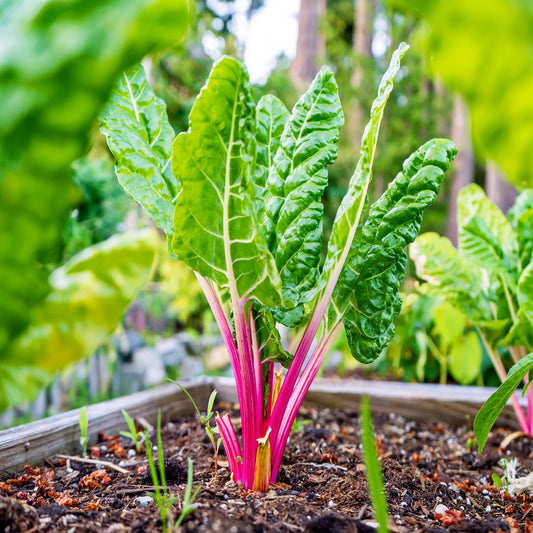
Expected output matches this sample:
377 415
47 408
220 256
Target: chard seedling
239 197
84 428
205 420
134 435
162 497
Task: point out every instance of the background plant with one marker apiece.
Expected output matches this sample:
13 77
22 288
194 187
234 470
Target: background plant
489 278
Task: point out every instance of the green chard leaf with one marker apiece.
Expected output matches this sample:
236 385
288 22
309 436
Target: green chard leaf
296 184
447 273
272 115
350 211
525 292
216 230
521 217
485 235
140 137
379 263
494 405
88 298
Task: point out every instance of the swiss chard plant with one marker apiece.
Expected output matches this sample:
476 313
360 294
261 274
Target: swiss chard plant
489 278
239 197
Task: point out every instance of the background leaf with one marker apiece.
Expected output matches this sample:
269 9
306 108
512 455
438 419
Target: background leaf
50 94
465 358
450 275
89 296
214 160
140 137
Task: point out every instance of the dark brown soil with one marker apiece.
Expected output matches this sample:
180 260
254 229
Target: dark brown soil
434 482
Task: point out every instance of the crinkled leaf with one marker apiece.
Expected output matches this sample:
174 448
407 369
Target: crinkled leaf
216 231
458 280
485 236
350 211
272 115
89 296
140 137
379 265
493 406
296 183
58 63
465 358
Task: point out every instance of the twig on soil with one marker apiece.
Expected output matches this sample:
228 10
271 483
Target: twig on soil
107 464
324 465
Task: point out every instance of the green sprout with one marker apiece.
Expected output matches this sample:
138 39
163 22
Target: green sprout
135 436
84 426
162 497
205 420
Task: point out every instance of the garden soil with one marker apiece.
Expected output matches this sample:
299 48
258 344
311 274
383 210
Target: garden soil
435 481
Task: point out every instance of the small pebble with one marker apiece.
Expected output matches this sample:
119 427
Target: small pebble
331 503
440 508
131 453
143 501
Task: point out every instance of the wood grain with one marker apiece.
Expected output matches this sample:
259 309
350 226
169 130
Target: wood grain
34 442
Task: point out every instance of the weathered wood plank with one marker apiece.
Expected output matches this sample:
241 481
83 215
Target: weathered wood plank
419 401
34 442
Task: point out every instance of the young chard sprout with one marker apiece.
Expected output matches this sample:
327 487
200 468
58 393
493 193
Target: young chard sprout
244 187
135 436
205 420
84 427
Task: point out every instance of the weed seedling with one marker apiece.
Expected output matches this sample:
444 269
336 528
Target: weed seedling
84 426
163 499
205 420
136 436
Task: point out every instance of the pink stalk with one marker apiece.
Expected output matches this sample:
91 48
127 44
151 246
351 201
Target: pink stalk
250 410
231 445
297 397
529 394
519 412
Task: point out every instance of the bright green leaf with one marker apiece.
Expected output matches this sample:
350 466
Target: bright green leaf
493 406
350 211
216 230
140 137
296 184
378 266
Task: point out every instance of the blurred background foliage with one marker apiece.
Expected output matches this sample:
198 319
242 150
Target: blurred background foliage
59 195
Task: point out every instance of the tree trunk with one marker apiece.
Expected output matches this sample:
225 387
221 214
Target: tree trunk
362 50
464 163
498 190
311 45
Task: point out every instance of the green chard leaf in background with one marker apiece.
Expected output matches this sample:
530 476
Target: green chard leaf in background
88 297
58 64
216 230
140 137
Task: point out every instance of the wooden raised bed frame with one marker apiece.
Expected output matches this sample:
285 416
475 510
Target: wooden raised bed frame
34 442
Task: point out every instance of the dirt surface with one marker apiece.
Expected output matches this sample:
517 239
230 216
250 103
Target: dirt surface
434 482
